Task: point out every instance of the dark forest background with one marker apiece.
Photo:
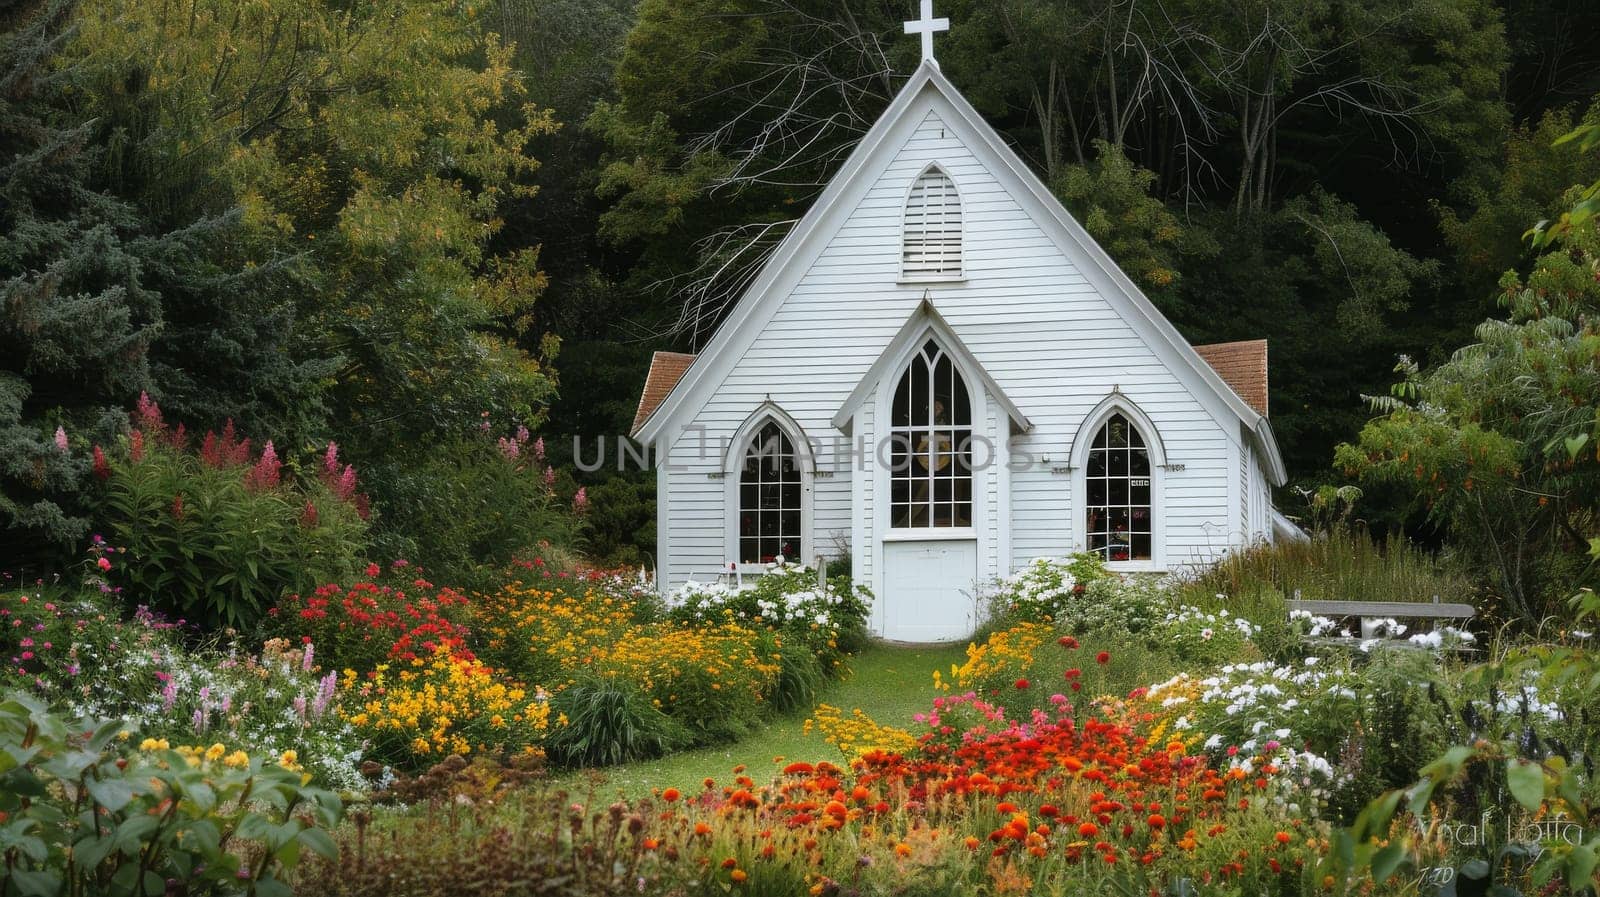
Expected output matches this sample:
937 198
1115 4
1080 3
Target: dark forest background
377 221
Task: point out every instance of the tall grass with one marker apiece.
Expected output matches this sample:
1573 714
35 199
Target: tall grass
1342 565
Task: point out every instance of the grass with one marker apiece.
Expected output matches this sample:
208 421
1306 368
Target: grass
889 683
1344 565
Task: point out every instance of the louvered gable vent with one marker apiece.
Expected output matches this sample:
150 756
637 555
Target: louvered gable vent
932 238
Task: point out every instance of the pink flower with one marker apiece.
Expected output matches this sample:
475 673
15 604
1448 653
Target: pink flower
538 449
61 439
330 461
265 474
373 570
104 563
308 515
136 447
347 483
580 500
510 448
148 415
549 477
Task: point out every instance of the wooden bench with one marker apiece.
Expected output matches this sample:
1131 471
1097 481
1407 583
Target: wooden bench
1369 612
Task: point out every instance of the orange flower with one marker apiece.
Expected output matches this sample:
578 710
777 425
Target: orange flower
902 849
1282 837
738 876
1088 830
971 842
669 795
700 828
651 844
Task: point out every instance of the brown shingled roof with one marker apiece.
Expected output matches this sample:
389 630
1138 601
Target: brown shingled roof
666 369
1244 366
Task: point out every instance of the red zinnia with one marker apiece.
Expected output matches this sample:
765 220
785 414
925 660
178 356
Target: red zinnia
1103 657
1067 641
1021 684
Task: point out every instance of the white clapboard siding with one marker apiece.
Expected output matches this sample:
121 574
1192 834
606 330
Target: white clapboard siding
1055 346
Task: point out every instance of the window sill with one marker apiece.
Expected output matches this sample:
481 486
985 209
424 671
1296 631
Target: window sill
932 534
926 281
1135 567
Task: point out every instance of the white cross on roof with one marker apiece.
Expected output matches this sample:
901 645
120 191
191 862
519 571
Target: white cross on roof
927 26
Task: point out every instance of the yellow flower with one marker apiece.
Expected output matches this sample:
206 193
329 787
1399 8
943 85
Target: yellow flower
289 759
215 752
237 760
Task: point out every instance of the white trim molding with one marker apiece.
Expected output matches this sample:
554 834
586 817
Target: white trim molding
1083 442
733 464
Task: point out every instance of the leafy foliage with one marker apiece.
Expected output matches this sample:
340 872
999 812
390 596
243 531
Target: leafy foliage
86 815
1501 444
216 538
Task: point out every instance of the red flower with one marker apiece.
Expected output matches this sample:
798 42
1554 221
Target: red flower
1021 684
373 570
1088 830
1067 641
102 469
1103 657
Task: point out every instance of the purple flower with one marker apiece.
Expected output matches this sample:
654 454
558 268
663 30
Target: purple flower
325 692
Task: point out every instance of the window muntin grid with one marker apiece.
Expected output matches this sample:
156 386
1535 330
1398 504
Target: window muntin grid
769 498
1118 517
930 432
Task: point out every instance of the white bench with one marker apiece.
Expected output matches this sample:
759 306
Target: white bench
1371 612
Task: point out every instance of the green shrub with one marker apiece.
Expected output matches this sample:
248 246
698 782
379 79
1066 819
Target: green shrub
215 538
830 621
466 509
610 722
1046 589
85 815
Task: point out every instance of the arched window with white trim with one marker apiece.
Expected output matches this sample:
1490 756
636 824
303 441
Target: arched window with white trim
1119 510
771 514
930 474
931 236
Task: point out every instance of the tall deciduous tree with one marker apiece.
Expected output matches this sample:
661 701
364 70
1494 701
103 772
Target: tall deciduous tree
373 147
1501 444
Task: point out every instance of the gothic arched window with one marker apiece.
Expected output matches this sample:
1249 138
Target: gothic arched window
770 498
930 473
1118 514
931 241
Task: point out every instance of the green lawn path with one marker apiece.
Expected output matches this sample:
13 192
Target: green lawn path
889 683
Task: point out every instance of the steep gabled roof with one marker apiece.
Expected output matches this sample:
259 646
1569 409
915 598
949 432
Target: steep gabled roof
1243 365
666 369
811 234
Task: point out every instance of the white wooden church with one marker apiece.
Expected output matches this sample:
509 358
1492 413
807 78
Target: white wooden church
941 374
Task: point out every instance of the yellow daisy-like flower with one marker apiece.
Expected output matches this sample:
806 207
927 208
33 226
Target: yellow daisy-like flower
237 760
289 759
215 752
